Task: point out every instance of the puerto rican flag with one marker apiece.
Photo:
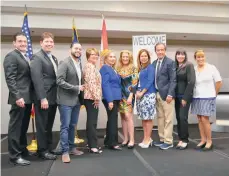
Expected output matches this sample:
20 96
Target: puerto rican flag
104 40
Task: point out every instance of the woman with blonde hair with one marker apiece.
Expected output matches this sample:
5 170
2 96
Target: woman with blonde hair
92 97
146 96
111 89
129 79
207 86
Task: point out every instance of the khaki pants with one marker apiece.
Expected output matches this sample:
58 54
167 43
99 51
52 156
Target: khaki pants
165 113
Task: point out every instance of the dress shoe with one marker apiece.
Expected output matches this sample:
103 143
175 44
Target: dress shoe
48 156
183 146
20 161
66 158
199 147
95 150
179 145
56 152
118 148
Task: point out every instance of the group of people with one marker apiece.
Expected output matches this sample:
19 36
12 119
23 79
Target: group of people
158 89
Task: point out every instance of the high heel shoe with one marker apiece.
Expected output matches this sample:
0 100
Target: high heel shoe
124 144
140 144
150 144
205 149
200 146
130 146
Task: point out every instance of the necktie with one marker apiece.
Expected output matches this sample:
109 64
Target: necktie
158 67
53 63
27 58
157 72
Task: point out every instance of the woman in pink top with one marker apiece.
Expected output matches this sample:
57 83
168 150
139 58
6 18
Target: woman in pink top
92 97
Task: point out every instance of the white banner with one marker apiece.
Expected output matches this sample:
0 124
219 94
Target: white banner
146 42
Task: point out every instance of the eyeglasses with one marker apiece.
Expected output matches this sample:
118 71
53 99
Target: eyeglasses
94 55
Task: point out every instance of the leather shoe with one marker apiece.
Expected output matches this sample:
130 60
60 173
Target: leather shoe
48 156
20 161
56 152
118 148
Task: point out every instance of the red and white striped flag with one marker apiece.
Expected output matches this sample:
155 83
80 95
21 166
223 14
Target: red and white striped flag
104 40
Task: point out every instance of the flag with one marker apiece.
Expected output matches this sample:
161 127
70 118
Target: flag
104 40
26 31
75 38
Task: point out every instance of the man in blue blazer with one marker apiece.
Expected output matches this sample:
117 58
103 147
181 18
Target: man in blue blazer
165 82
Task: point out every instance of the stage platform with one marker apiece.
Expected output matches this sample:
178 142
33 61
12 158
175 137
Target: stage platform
136 162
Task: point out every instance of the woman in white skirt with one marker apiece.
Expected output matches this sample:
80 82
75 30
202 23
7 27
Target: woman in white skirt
145 96
207 86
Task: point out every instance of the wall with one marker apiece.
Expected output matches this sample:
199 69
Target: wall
219 56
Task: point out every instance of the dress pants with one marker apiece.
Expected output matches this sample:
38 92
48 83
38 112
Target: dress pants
112 124
44 122
165 114
182 119
92 118
18 126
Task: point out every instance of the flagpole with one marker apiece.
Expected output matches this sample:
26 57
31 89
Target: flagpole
33 146
75 38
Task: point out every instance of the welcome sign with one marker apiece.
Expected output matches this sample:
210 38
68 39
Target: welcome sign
146 42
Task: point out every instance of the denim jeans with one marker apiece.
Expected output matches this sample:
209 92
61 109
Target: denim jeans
68 117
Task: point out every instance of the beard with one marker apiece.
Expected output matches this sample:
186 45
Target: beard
76 56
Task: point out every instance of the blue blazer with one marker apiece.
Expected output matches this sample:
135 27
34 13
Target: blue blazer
166 79
146 79
111 84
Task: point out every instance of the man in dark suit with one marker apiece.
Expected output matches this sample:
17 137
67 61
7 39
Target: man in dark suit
69 96
18 79
43 72
165 82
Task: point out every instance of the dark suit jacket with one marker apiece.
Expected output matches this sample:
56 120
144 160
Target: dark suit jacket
18 79
43 77
68 84
166 79
111 84
185 81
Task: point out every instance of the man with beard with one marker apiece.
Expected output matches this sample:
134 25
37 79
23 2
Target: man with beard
43 72
69 99
18 80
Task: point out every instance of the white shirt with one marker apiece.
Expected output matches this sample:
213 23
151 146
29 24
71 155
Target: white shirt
25 57
53 62
158 60
78 70
205 82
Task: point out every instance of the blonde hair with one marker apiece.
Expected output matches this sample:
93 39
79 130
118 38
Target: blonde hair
104 55
120 64
138 59
89 50
199 52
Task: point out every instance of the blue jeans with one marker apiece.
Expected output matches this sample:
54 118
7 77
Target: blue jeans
68 117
